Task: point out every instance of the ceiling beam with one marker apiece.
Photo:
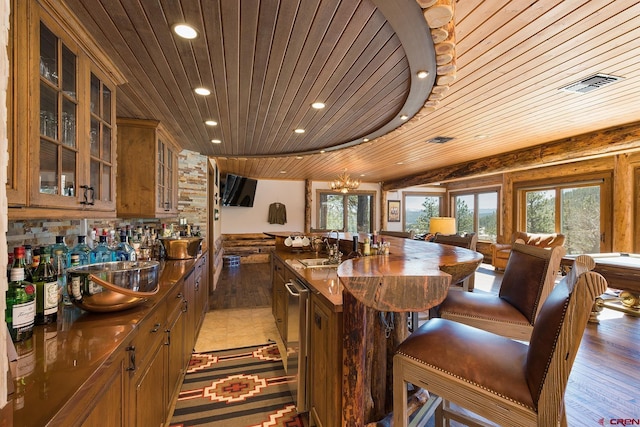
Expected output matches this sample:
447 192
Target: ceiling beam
605 142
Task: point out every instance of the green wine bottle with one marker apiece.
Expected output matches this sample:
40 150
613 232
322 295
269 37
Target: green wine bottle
20 313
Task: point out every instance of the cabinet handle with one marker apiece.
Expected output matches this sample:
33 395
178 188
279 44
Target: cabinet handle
132 358
318 320
168 341
185 307
179 295
88 191
156 327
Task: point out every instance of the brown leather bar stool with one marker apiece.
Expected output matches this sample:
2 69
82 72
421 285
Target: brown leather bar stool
497 378
528 279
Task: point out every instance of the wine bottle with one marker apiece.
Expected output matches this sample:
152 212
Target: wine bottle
46 282
355 252
20 313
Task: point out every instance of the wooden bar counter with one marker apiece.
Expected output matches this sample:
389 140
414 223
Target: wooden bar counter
373 295
69 369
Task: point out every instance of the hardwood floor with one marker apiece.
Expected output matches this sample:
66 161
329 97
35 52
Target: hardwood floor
242 287
604 386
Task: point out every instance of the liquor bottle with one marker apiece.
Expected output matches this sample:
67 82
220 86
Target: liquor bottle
355 252
102 252
46 282
124 251
20 313
82 250
60 268
63 247
367 246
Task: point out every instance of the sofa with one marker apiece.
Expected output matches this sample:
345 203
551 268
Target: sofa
500 251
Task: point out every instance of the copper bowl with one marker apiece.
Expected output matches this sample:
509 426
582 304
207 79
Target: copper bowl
181 247
112 286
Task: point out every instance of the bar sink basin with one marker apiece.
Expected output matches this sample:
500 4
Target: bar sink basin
317 263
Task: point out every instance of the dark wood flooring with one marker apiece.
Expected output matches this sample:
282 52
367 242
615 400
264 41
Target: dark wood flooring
604 385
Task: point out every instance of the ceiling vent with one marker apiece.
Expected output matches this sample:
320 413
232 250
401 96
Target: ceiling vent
440 139
591 83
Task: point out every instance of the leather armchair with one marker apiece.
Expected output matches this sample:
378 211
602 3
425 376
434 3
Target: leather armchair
500 251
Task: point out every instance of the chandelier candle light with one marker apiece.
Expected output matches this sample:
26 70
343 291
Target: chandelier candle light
344 183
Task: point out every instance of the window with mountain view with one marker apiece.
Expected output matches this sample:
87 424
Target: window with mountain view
572 210
418 210
477 213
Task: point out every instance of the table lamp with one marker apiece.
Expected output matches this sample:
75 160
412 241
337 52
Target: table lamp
442 225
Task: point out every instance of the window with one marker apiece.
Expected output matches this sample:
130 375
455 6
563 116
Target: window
571 209
351 212
477 213
418 210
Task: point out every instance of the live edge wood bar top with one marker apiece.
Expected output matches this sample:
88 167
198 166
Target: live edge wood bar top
407 258
66 368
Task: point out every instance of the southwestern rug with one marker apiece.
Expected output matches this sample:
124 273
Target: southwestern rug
244 387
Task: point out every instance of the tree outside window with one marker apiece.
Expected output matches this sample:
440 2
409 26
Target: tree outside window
418 210
351 212
477 213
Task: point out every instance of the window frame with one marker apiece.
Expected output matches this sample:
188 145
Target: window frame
475 193
345 213
441 205
604 180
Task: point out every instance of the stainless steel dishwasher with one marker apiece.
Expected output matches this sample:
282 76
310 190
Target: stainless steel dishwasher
298 342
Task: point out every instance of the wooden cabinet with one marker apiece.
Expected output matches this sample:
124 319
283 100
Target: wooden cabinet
110 410
63 106
147 170
279 296
146 372
325 363
176 353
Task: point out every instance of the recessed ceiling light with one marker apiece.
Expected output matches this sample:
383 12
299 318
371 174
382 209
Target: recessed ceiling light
365 140
185 31
422 74
283 172
211 123
400 163
216 141
299 130
299 157
404 117
481 136
322 151
318 105
202 91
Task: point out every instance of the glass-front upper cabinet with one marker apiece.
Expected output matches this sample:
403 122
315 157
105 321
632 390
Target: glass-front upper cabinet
166 195
63 107
58 117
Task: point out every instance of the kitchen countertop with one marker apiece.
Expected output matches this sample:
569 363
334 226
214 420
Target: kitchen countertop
64 360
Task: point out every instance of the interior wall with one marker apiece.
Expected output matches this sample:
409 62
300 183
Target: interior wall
237 220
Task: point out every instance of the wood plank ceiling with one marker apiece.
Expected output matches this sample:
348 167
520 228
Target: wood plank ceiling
267 61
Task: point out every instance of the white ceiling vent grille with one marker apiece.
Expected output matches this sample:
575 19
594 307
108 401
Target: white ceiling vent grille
591 83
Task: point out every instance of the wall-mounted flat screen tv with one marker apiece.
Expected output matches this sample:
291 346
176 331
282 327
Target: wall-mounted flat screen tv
239 191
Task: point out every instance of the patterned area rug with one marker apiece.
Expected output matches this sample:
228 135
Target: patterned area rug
244 387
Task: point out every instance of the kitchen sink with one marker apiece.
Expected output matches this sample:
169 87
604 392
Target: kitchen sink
317 263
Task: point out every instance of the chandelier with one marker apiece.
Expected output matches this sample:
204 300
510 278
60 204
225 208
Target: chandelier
344 183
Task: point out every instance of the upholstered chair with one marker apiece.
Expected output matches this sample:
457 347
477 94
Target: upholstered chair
528 279
500 251
467 241
502 380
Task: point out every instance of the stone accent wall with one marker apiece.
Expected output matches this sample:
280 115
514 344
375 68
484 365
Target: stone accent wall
192 184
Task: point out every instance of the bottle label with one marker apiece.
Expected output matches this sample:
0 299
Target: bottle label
24 314
75 288
50 298
94 288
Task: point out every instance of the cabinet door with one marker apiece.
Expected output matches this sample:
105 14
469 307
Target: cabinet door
148 399
110 409
325 362
56 108
101 157
175 351
167 176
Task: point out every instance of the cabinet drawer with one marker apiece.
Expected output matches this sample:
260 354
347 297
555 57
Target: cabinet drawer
175 298
150 334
